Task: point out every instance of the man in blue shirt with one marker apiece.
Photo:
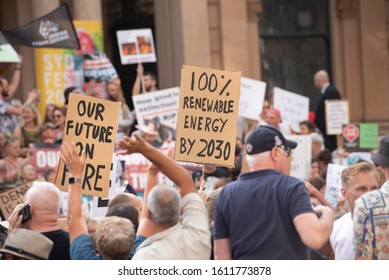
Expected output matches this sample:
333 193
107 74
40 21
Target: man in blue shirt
267 214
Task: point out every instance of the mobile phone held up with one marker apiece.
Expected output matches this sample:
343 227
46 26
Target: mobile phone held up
26 213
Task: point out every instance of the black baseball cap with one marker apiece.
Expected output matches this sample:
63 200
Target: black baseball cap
265 138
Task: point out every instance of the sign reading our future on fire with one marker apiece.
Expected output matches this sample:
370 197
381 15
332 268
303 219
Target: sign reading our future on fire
92 124
207 116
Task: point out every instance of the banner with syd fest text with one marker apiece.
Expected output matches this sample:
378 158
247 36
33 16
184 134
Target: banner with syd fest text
207 116
58 69
92 124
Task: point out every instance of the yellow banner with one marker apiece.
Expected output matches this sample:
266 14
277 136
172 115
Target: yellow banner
58 69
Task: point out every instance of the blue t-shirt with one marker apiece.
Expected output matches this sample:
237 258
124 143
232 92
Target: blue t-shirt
256 213
82 248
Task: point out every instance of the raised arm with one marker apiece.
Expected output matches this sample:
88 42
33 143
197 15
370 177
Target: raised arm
137 88
166 165
13 86
315 230
77 225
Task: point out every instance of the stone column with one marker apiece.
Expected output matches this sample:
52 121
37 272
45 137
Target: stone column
254 9
87 10
234 36
182 36
374 55
27 11
348 13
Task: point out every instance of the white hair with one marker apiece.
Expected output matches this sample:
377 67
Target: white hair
257 159
164 204
317 138
44 195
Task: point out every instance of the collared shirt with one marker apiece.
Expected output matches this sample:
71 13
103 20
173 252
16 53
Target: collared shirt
323 89
188 240
371 224
256 214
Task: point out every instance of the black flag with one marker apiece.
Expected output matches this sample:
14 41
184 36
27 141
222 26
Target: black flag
54 30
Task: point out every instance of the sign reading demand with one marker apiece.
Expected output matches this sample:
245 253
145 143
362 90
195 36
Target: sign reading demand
92 124
207 116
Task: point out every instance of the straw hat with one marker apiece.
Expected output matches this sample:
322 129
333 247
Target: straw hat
27 244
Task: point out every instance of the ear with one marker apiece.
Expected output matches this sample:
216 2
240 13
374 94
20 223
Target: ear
344 192
148 213
274 153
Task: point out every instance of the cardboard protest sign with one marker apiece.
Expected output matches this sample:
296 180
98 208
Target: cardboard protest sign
334 183
136 46
207 116
294 107
92 124
159 107
252 95
10 198
45 157
301 156
100 205
336 114
7 52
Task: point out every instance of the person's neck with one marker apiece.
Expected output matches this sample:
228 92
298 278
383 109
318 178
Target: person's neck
263 167
44 223
11 158
29 125
160 228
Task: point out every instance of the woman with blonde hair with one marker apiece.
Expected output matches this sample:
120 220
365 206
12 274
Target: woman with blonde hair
28 131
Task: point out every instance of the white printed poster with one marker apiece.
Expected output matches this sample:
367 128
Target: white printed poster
252 95
294 107
136 46
334 183
301 156
159 107
337 114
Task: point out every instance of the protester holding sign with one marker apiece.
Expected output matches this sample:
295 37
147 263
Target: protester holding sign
145 81
166 237
244 229
114 236
328 91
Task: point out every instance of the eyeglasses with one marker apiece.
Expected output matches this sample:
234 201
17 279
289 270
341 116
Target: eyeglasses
288 151
56 116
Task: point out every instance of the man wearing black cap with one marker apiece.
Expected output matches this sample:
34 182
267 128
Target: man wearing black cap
371 214
267 214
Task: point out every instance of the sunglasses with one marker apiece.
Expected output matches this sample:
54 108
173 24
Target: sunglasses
287 150
56 116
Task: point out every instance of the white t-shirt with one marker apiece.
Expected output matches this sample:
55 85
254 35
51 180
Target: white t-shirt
341 238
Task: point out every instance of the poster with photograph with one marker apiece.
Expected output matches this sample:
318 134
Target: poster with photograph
136 46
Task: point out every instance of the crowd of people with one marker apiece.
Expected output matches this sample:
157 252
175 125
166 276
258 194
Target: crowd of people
217 213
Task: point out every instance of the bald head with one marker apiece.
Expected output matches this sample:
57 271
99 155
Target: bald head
44 198
321 78
126 198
